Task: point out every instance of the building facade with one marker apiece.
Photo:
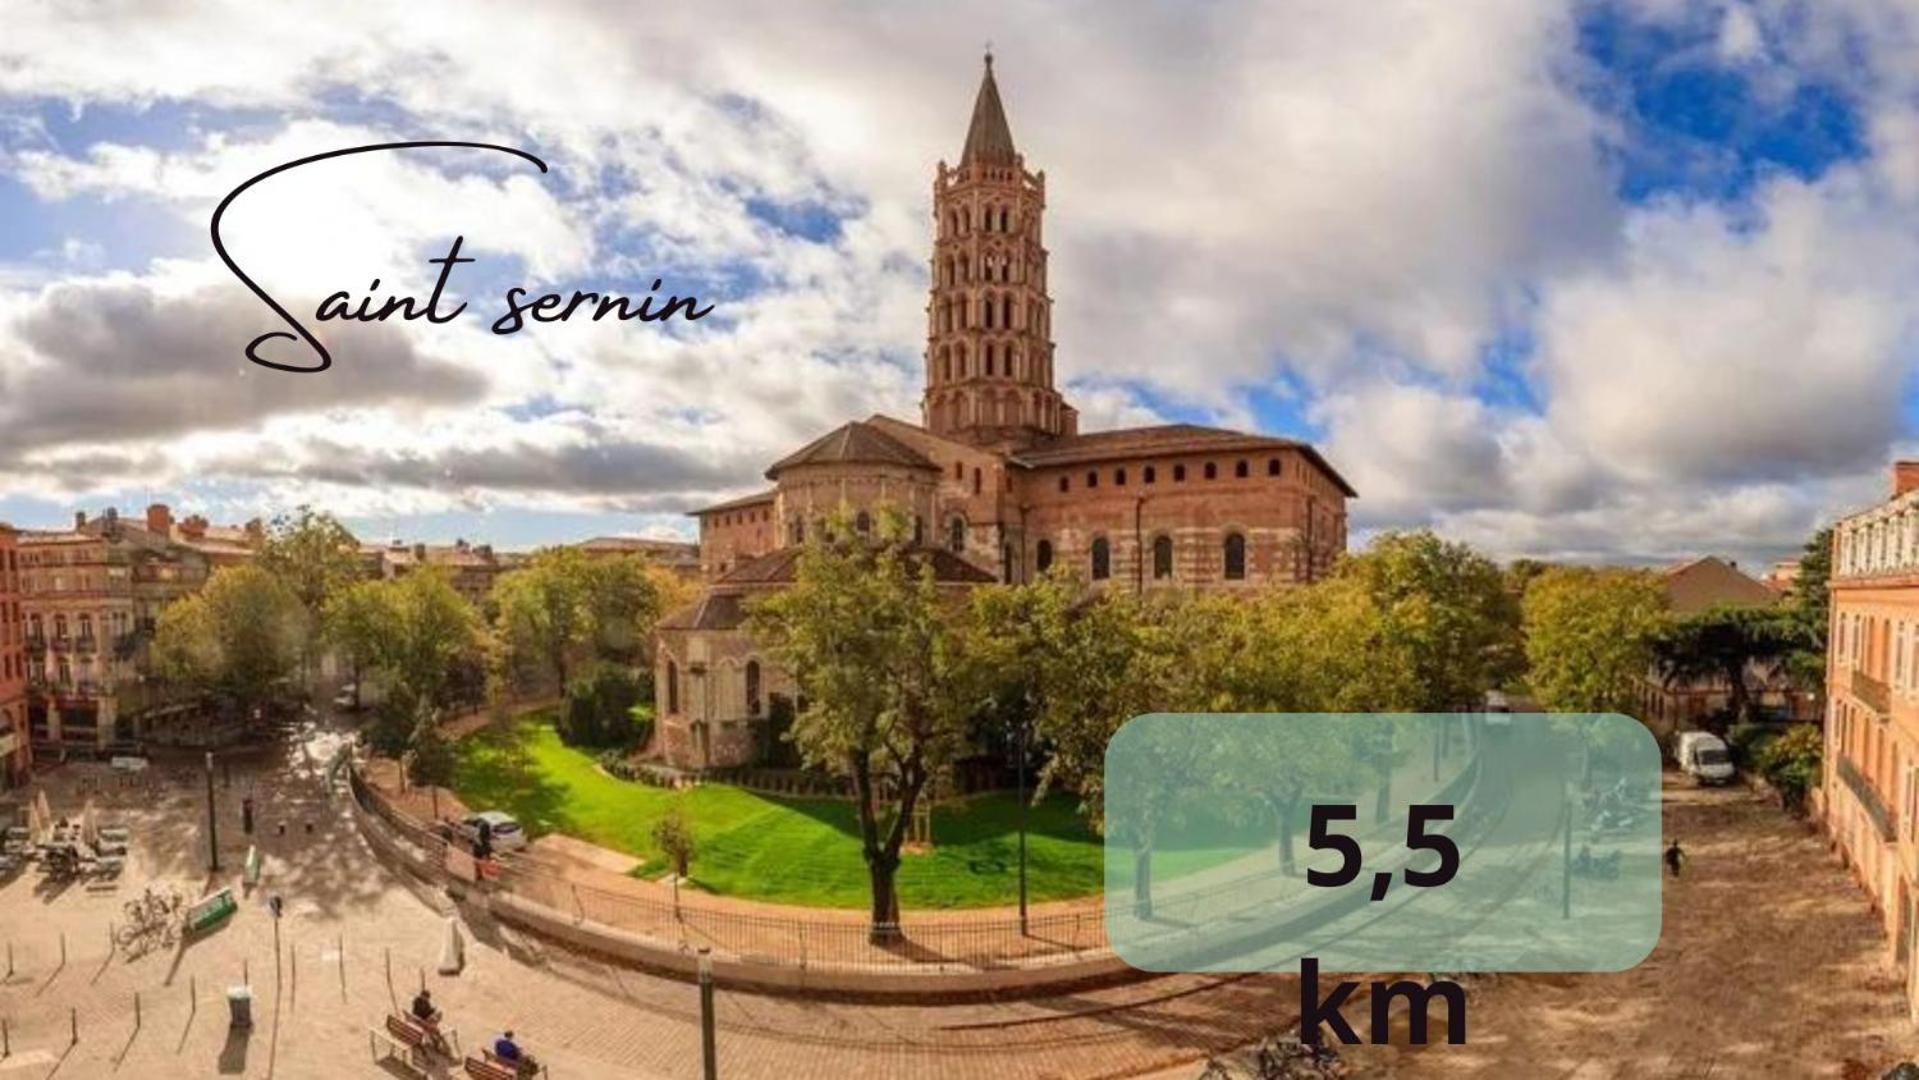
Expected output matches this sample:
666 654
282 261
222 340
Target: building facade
1869 798
92 596
16 750
999 482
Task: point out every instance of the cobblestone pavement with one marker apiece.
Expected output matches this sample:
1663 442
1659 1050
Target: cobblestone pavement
1769 966
356 940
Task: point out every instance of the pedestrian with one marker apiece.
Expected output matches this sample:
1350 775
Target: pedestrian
1674 857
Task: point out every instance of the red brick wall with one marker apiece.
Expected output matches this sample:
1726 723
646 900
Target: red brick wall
730 537
1294 523
14 763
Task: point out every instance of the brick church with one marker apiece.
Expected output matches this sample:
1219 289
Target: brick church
998 479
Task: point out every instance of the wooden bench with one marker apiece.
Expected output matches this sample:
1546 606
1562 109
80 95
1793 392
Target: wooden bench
416 1034
482 1069
395 1050
489 1066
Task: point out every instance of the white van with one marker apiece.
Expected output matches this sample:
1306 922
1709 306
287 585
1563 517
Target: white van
1704 757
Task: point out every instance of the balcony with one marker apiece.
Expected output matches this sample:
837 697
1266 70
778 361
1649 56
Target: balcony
37 644
1868 797
63 644
1873 693
84 643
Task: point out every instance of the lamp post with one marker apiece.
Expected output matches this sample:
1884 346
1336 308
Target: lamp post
213 822
1025 722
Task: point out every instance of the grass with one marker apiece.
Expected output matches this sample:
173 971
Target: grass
793 851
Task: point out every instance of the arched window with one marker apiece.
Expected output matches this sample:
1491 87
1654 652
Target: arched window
1272 466
1092 478
672 687
1006 563
1003 219
1119 477
976 480
956 535
1179 473
1235 557
1064 483
797 531
1148 475
752 688
863 523
1006 311
989 359
1043 558
1162 557
1102 559
1240 470
1212 471
986 317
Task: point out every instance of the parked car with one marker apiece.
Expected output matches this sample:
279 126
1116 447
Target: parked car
1704 757
503 832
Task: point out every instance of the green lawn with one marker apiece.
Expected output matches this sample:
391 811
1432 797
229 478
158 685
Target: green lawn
797 851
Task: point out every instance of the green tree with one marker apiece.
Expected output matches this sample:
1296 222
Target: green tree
600 707
239 638
1791 763
361 621
1449 609
673 835
1726 643
1589 645
430 757
315 557
543 618
878 654
1589 636
1809 605
416 631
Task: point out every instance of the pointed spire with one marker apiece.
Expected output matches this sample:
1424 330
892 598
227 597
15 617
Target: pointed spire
988 139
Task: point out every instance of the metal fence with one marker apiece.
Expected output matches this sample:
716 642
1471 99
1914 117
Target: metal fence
940 941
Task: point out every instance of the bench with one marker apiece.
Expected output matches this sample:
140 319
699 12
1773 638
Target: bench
483 1069
495 1060
407 1057
211 911
418 1036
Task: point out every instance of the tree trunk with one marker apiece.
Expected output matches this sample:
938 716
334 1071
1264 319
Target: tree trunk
1143 880
885 929
1284 823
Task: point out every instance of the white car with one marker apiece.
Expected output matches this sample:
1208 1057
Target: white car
504 832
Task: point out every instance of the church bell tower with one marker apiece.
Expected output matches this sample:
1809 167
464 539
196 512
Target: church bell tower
989 348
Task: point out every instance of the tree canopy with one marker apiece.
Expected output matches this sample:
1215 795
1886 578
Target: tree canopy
238 638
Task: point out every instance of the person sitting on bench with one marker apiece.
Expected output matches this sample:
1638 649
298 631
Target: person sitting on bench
509 1052
428 1017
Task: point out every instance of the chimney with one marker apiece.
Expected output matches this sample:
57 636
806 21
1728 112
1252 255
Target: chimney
160 519
194 527
79 520
1905 477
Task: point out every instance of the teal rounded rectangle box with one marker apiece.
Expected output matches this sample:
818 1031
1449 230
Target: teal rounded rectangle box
1378 842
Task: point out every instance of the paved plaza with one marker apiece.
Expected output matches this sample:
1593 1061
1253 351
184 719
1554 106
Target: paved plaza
357 939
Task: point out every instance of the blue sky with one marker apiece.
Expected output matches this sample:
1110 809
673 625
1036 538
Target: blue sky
1605 281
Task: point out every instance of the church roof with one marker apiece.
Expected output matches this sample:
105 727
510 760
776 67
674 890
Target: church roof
712 611
854 442
988 138
754 499
1165 439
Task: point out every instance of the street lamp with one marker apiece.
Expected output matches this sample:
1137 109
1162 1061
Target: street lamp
213 822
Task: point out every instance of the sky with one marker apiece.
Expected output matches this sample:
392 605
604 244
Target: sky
1623 281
